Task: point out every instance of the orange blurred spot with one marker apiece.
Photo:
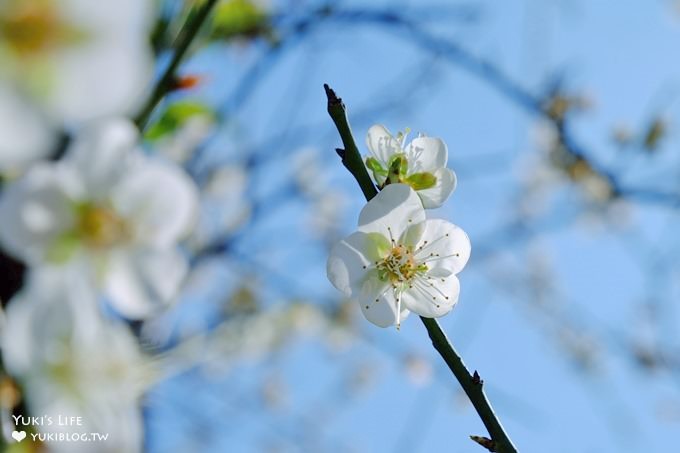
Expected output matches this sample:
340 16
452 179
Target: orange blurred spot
187 82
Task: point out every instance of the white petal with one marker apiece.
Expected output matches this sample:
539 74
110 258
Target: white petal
159 200
35 211
433 297
123 17
395 207
108 71
101 154
426 154
55 302
412 235
447 248
382 313
435 196
143 282
346 264
26 134
98 79
381 143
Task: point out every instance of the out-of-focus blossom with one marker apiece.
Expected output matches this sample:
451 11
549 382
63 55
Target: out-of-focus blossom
308 173
74 363
245 338
328 205
418 370
421 164
111 207
67 61
224 205
327 213
398 261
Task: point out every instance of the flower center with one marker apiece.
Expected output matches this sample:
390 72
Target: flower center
399 266
33 27
101 226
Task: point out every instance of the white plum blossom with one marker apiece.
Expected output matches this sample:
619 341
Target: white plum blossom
421 164
72 362
63 62
110 206
398 261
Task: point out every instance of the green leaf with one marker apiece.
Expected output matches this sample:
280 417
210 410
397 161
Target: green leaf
654 134
379 172
375 166
421 181
175 116
239 18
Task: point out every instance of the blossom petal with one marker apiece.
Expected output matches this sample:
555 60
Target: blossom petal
143 281
426 154
433 297
392 211
382 313
35 211
447 247
55 302
101 154
347 262
109 17
26 134
79 75
159 200
381 143
435 196
114 53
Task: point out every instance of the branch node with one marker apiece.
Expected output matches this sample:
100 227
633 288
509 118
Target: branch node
476 379
341 153
485 442
333 98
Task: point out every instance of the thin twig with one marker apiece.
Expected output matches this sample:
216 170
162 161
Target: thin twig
471 383
351 158
181 45
473 386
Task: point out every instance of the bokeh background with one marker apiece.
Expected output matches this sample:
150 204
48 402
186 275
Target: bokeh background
561 122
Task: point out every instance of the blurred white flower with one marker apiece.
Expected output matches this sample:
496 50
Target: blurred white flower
245 338
224 205
312 179
418 370
308 172
110 206
67 61
421 164
398 261
72 362
328 212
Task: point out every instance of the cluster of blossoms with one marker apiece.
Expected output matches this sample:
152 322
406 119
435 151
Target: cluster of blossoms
398 261
98 229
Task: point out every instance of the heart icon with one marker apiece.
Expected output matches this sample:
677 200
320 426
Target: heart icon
19 435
